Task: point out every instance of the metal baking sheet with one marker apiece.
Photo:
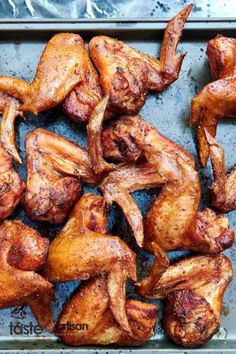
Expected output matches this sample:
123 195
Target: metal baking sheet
21 44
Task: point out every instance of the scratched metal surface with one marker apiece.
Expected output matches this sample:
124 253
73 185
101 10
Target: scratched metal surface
111 8
169 112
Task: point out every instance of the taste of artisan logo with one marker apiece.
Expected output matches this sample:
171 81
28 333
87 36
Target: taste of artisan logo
20 329
19 312
69 326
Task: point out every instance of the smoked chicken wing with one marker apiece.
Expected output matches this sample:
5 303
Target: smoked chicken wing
194 289
217 99
83 249
223 190
64 63
128 74
94 129
221 52
10 109
90 306
80 102
23 251
11 185
118 186
173 221
55 166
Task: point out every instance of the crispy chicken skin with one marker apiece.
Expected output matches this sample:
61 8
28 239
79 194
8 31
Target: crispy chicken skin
214 101
10 109
11 185
80 102
221 52
223 190
118 186
217 99
128 74
62 66
90 305
94 129
173 221
23 251
83 249
55 166
194 289
208 232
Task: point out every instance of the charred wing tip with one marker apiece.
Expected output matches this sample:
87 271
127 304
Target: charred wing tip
17 158
140 243
13 153
185 12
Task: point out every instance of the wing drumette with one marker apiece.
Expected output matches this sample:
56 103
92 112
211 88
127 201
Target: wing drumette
55 166
217 99
23 251
173 221
128 74
90 305
221 52
64 63
194 290
83 250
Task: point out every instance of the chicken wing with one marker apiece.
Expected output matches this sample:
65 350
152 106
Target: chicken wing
63 64
223 190
118 186
128 74
221 52
90 306
11 185
194 289
83 250
173 221
10 109
217 99
23 251
94 129
80 102
55 166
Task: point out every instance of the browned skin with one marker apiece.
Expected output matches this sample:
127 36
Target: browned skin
223 190
222 58
10 109
94 129
118 186
81 101
218 99
55 166
83 250
62 66
11 185
194 290
128 74
23 251
221 52
90 305
173 221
